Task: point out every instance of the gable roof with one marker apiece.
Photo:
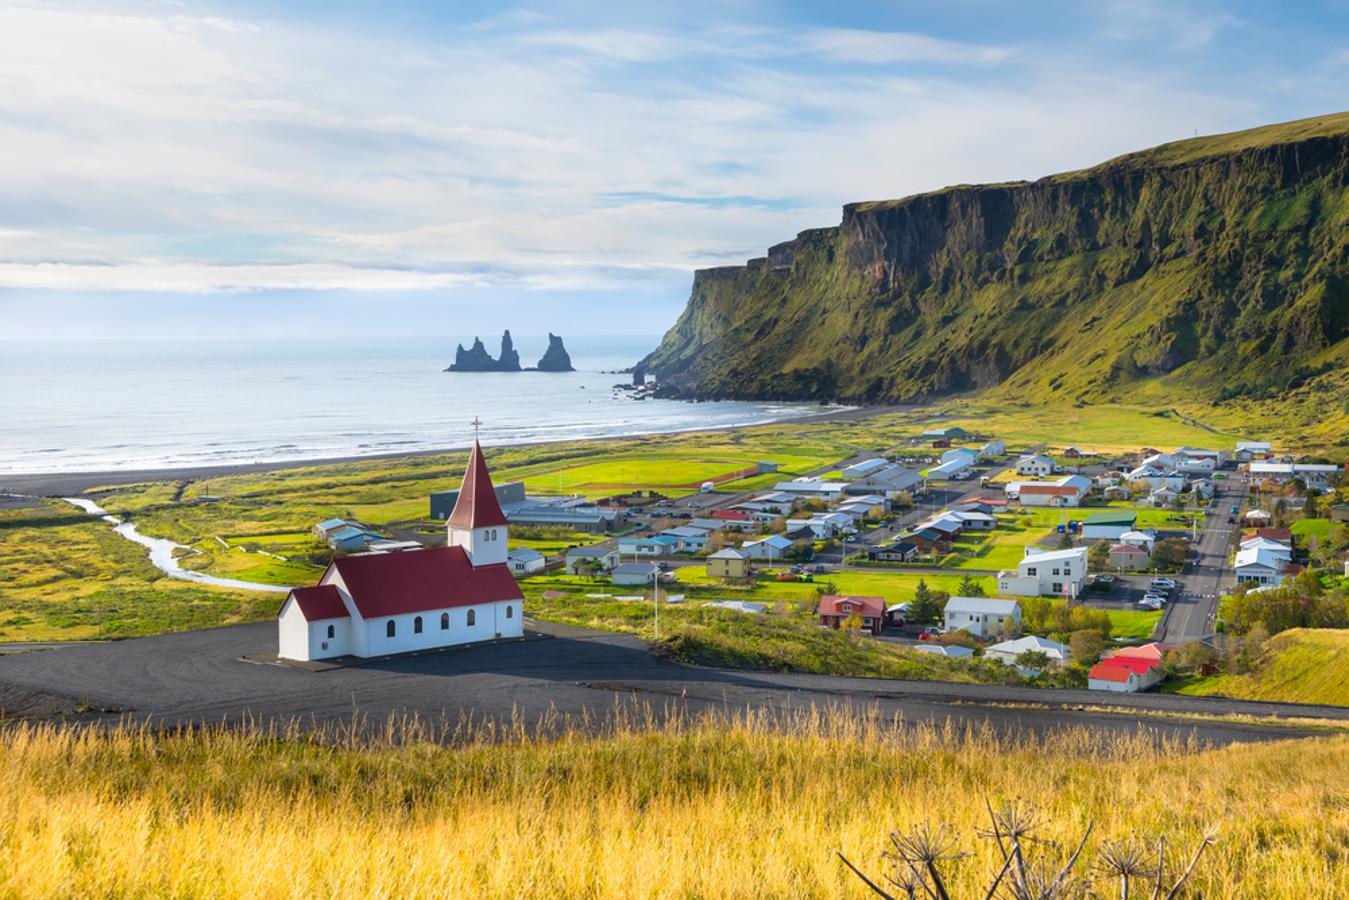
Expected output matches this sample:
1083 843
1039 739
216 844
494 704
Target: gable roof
320 602
388 584
1102 672
1140 664
983 606
1128 548
1056 489
832 605
1122 517
477 506
728 553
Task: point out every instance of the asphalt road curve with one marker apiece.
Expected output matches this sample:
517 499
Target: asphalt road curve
200 677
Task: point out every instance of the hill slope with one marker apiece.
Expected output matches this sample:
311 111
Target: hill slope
1215 269
1302 665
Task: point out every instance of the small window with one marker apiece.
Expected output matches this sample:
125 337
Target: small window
472 618
1030 571
417 625
444 621
390 629
510 611
332 632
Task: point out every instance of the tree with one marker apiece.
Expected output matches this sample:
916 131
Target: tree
1169 554
1086 646
970 587
1032 660
924 610
1099 555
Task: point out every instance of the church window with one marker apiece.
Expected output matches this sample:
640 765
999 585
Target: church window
444 621
417 625
390 629
472 618
510 611
332 632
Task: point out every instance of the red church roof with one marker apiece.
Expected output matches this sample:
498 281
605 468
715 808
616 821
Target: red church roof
388 584
320 602
477 506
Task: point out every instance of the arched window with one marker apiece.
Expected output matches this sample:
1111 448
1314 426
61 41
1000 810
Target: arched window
444 621
332 632
472 619
510 611
417 625
390 629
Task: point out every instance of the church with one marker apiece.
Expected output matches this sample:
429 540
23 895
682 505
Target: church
377 604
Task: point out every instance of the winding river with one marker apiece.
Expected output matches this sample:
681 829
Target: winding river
162 550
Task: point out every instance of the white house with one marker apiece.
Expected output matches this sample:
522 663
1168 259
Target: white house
1036 466
379 604
691 540
769 548
1249 450
1066 491
965 454
816 488
1262 565
993 449
525 561
982 616
1140 538
634 574
1006 652
608 558
973 520
1314 475
955 468
1057 572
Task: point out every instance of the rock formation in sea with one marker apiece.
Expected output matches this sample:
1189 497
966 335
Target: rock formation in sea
477 359
509 360
555 358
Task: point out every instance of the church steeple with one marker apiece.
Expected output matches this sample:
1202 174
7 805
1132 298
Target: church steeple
477 523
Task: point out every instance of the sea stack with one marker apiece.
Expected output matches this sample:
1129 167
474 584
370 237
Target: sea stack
477 359
555 358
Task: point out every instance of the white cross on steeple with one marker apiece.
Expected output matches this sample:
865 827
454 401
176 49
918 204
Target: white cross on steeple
475 423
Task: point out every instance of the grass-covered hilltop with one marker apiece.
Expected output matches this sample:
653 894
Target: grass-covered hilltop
1211 274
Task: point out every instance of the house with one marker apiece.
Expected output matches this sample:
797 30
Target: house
1115 492
1258 542
1313 475
1256 518
1036 466
1144 539
835 609
1040 572
656 545
378 604
1072 453
1124 674
1066 491
1155 650
812 488
1130 557
1197 461
994 449
607 558
1108 526
636 574
983 616
974 520
1163 496
1006 652
525 561
952 651
1280 535
728 563
691 539
953 432
1338 513
928 540
733 519
1261 565
895 551
351 539
328 526
770 548
1249 450
889 482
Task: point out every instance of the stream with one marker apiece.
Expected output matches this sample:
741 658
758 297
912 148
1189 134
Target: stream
162 550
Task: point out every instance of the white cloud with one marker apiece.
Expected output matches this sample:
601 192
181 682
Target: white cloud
883 47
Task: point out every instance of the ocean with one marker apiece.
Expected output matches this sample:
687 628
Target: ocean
74 406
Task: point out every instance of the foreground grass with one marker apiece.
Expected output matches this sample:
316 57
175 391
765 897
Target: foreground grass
719 808
1303 665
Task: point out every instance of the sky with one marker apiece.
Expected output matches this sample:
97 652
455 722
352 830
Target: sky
338 168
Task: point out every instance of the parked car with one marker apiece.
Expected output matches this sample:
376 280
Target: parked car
931 633
1150 603
1165 584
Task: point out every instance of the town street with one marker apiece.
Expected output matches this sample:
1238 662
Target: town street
1191 615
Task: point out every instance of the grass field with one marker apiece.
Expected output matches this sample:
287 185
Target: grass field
751 807
1103 429
1302 665
1311 528
67 576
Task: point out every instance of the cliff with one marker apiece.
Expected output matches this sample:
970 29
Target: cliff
1217 266
555 358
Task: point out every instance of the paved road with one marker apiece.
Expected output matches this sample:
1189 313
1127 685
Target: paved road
198 677
1191 615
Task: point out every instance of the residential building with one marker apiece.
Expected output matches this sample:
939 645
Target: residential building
656 545
964 454
955 469
895 551
952 651
634 574
1108 526
864 468
1006 652
351 539
386 603
525 561
974 520
835 609
1066 491
812 488
1144 538
1317 476
994 449
1338 513
952 432
1129 557
728 563
1250 450
1263 566
1124 674
691 540
889 482
734 519
771 548
1046 572
928 540
1036 466
983 616
608 558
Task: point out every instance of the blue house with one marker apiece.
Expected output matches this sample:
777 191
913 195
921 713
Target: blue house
658 545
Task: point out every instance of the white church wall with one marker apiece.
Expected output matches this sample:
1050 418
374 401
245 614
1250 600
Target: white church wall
490 619
292 632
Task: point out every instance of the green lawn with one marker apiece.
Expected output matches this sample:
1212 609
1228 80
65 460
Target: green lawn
1311 528
1134 624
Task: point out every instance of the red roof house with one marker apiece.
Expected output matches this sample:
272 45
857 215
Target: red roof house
835 609
1124 673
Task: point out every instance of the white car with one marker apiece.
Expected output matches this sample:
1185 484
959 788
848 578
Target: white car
1164 583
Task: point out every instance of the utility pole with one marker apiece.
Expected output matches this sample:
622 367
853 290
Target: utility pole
655 595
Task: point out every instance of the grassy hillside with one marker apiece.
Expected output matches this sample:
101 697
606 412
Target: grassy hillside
716 809
1211 273
1303 665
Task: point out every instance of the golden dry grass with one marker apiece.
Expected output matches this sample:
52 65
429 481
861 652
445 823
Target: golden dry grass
745 808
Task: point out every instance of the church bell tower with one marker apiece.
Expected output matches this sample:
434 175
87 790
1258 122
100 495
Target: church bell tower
477 523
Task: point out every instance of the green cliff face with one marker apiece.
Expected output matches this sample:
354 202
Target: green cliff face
1217 267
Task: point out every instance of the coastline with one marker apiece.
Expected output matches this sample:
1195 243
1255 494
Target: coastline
63 484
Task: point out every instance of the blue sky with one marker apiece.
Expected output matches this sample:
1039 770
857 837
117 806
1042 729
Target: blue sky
347 168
